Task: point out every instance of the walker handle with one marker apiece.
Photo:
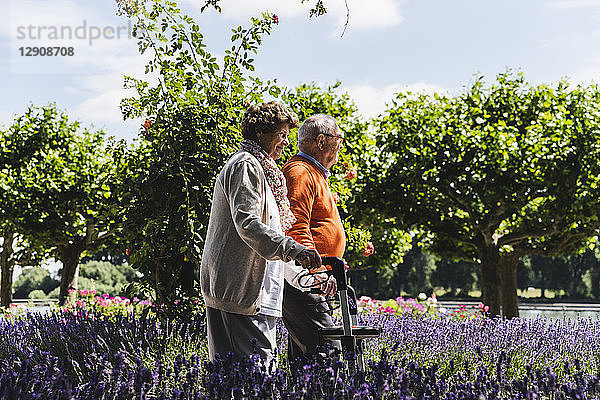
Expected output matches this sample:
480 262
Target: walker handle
333 266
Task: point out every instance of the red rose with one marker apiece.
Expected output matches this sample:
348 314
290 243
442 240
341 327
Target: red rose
369 249
275 19
147 124
127 251
351 174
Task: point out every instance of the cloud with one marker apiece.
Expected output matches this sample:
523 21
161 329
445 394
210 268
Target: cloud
97 36
244 9
95 73
364 15
6 118
101 105
40 13
566 4
367 15
588 75
102 93
104 96
564 41
372 101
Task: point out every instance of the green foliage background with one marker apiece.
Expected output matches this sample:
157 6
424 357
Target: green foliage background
101 276
501 171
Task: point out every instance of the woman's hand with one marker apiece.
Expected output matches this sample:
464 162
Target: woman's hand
309 258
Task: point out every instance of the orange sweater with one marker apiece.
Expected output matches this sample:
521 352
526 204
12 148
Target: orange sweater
318 224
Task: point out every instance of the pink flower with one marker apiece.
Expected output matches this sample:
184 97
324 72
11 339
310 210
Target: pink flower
369 249
366 299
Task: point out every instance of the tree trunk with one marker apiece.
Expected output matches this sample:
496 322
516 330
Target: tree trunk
490 279
187 276
543 294
7 263
165 282
69 255
510 306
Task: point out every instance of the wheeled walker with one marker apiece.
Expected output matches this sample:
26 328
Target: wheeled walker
351 335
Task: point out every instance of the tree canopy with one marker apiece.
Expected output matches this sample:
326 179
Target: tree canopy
493 174
60 188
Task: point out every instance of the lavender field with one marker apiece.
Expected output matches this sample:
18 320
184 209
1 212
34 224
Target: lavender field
90 355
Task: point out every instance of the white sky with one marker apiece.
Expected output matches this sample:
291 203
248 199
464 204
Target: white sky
390 45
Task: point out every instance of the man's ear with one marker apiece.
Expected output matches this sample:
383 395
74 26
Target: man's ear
320 140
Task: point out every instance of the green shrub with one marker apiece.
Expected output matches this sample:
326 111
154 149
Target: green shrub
37 294
31 279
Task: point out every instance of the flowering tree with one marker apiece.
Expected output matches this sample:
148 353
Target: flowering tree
192 124
493 174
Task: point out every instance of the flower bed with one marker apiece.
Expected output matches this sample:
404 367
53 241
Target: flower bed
421 306
90 302
13 312
89 355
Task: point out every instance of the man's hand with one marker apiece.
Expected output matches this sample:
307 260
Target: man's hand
309 258
328 284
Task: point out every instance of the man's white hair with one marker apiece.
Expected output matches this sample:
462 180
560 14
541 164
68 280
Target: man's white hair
314 125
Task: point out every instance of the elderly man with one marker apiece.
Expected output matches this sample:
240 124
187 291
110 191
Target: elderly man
318 226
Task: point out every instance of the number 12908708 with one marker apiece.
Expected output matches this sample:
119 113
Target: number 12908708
47 51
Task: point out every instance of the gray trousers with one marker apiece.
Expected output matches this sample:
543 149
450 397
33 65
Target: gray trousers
241 335
303 315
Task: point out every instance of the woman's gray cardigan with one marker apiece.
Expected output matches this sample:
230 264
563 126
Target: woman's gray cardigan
239 240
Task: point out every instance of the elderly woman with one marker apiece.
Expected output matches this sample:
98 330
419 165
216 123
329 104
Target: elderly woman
242 271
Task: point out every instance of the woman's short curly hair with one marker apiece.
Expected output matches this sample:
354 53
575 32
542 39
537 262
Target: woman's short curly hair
266 117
